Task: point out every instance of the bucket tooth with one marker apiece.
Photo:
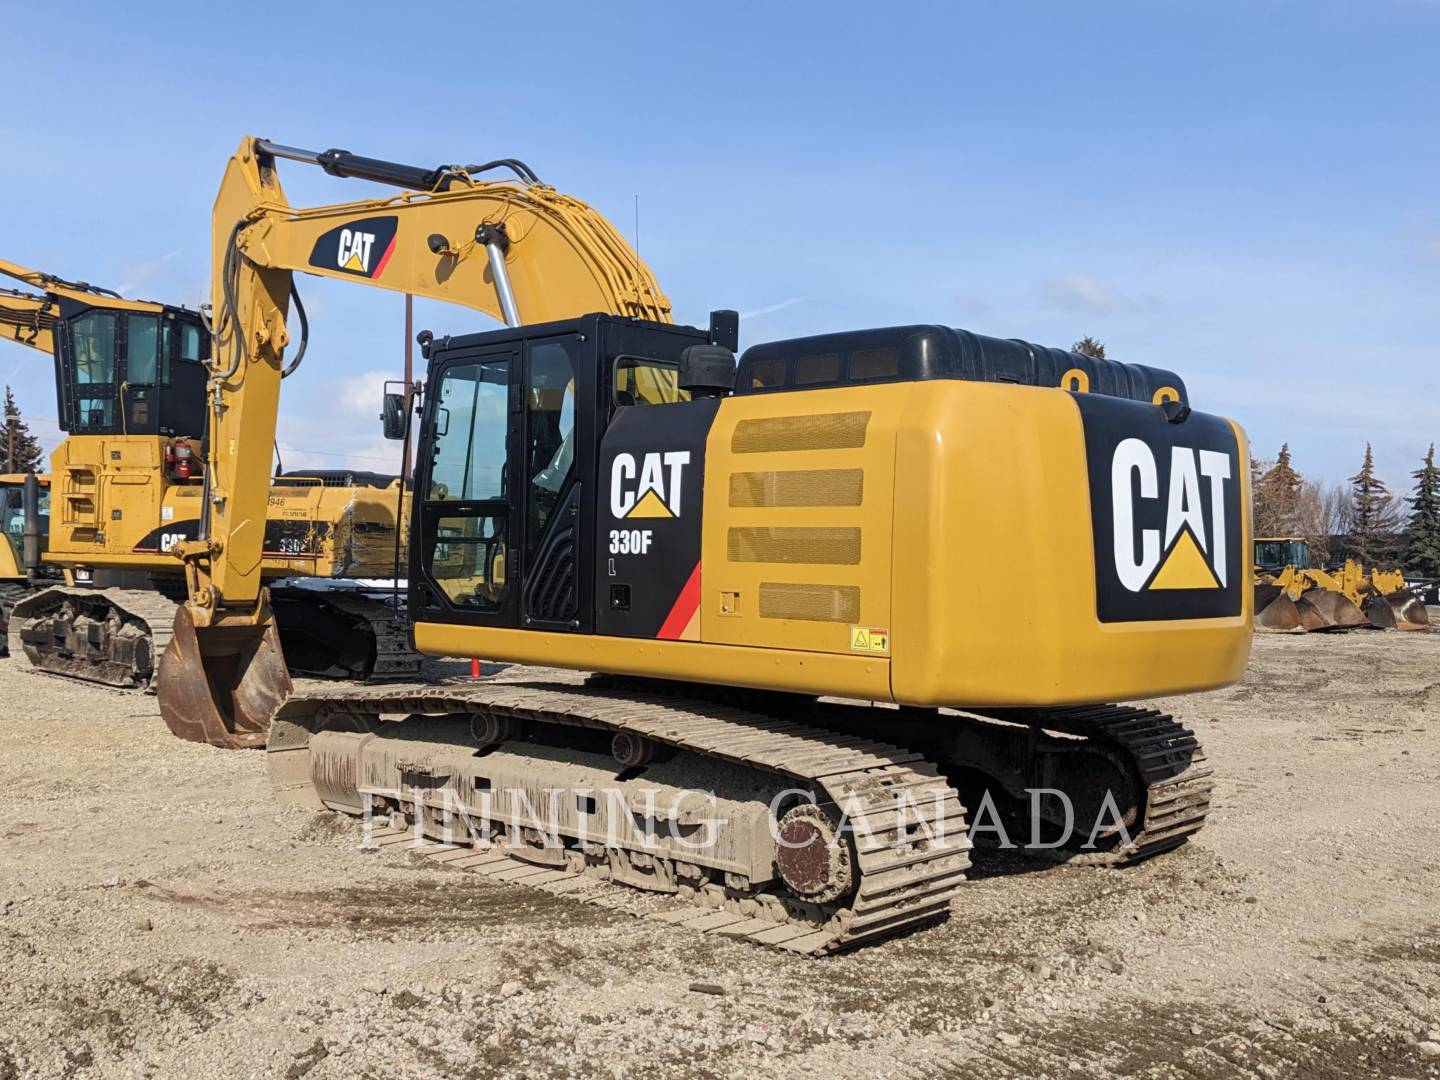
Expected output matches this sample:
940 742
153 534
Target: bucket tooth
220 685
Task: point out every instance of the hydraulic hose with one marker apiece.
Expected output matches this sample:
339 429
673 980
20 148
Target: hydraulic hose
229 322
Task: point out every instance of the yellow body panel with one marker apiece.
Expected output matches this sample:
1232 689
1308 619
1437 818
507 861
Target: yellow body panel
995 564
865 678
969 553
799 492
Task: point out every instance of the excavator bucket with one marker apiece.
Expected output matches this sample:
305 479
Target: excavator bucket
1329 610
1399 610
1274 611
221 685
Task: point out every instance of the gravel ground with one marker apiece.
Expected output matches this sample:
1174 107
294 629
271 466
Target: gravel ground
160 917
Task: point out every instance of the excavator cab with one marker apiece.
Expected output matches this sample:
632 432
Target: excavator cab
512 429
122 372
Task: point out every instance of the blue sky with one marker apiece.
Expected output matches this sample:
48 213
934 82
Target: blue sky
1245 192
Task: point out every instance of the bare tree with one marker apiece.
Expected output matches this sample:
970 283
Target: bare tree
1088 346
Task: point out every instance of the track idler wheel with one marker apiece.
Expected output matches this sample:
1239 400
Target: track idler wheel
633 750
220 685
813 860
488 729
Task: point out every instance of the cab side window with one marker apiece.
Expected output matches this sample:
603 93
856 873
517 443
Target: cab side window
93 365
640 380
142 349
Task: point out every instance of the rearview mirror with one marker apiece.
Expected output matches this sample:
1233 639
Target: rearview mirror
393 416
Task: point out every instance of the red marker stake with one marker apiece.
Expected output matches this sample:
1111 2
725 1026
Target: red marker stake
474 669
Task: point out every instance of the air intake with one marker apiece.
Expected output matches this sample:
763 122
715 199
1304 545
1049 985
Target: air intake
834 547
824 431
811 603
798 487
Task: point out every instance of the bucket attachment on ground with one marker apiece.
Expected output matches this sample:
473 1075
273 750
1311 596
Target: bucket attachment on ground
1333 610
1274 610
220 685
1399 610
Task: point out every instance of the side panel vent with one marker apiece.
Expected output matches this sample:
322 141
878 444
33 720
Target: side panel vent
825 431
837 547
813 603
798 487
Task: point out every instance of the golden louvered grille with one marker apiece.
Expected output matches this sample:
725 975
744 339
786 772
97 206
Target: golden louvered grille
798 487
787 545
826 431
813 603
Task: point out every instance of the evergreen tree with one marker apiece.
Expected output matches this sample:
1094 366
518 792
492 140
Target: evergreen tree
1422 533
19 450
1277 498
1374 515
1088 346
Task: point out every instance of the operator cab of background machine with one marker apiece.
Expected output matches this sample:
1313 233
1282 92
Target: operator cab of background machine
542 474
129 372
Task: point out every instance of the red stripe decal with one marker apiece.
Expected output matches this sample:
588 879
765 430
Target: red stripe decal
684 610
390 250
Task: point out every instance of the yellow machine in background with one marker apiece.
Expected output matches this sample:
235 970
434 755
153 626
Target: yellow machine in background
755 537
129 485
1292 595
22 526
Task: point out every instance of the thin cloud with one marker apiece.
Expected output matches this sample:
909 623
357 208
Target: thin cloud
359 395
772 308
1083 293
140 273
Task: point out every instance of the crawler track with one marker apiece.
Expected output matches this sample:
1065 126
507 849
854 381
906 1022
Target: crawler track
1170 765
906 865
394 658
145 619
142 622
10 593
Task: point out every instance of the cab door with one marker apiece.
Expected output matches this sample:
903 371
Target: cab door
466 566
500 494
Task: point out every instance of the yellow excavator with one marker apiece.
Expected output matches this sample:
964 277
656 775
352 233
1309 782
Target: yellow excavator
1291 595
24 516
789 684
129 484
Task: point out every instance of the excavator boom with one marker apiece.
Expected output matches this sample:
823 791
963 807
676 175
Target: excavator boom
516 250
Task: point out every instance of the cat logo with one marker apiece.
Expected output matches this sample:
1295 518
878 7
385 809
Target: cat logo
1194 555
1165 512
650 488
354 252
362 248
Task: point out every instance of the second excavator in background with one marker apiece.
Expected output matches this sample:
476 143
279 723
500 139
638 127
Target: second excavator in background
24 519
128 485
